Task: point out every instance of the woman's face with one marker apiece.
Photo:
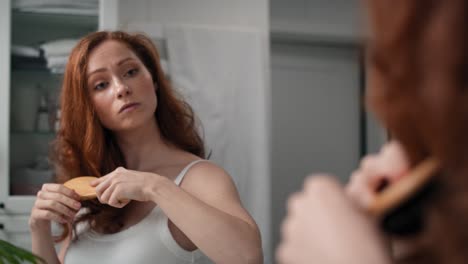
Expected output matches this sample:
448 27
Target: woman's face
120 87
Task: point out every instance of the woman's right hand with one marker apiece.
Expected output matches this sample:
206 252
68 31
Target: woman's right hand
54 202
375 171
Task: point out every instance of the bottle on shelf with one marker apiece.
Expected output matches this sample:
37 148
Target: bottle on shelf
42 117
53 111
57 120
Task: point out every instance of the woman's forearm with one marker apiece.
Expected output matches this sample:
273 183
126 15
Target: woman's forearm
43 245
222 237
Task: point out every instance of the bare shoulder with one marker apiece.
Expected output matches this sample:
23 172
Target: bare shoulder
213 185
207 175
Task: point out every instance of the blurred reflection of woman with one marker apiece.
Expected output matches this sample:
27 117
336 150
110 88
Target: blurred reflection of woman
158 200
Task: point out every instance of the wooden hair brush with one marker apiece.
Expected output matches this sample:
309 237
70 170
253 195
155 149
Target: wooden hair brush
81 185
400 206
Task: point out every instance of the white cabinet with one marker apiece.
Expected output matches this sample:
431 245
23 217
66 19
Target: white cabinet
15 230
31 77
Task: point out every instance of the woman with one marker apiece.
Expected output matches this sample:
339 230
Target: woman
418 60
158 200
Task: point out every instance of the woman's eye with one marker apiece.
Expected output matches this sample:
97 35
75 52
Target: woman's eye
131 72
100 86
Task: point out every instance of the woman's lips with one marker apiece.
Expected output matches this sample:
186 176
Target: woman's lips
128 107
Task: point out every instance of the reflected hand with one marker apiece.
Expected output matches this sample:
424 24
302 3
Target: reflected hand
375 171
121 185
54 202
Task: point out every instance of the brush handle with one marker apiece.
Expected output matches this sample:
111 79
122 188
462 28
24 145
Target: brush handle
395 194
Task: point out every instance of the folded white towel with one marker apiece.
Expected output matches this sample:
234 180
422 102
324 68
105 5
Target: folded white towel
57 61
25 51
165 66
57 70
61 47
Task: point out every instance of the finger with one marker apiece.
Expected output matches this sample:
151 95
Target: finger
363 199
291 233
359 189
368 162
371 175
288 252
98 181
285 229
106 194
281 254
394 160
71 203
293 203
353 178
103 186
376 181
48 215
320 187
116 199
53 187
43 214
55 206
354 183
374 170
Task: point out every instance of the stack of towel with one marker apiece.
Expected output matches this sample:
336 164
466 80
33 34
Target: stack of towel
70 7
25 51
56 54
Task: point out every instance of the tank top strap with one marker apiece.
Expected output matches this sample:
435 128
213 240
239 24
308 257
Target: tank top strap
181 175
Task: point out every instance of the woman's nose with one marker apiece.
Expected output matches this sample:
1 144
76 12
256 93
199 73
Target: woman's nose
123 89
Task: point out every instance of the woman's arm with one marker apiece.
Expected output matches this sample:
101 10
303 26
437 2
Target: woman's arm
206 208
54 202
43 245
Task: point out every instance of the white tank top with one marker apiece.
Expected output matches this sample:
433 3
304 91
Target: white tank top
148 241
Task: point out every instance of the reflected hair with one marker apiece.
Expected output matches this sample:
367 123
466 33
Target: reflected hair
418 59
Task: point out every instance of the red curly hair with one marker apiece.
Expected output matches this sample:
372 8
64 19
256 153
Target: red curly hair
418 56
84 147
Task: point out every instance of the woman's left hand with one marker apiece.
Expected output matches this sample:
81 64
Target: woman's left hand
120 186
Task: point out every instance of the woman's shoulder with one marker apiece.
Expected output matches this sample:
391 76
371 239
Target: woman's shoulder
205 175
202 169
199 169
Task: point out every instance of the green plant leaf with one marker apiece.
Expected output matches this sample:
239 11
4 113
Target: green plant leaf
16 255
7 255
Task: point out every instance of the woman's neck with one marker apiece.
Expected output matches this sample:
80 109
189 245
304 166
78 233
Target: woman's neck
143 146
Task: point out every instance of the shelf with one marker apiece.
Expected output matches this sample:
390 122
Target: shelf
33 68
32 133
54 19
33 29
30 68
303 32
